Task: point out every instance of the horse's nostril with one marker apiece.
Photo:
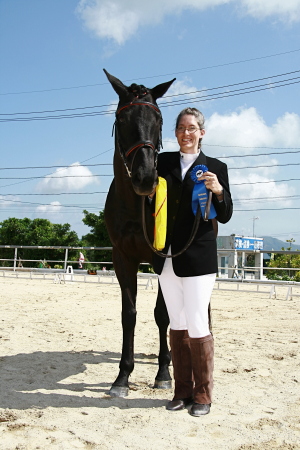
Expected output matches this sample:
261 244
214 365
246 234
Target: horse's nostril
143 185
142 179
137 179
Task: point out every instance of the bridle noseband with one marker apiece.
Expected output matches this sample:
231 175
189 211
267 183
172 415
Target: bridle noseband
137 145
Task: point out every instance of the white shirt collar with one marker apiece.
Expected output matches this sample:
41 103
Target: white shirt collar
188 157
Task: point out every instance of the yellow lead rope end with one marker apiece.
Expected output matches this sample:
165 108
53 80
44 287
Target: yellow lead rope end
160 226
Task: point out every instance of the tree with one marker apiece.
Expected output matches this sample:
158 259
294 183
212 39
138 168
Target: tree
98 237
285 261
40 232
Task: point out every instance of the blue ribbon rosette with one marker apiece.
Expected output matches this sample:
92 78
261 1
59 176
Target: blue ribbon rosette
200 192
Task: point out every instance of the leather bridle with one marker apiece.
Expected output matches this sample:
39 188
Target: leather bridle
137 145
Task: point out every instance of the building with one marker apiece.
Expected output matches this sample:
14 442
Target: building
233 251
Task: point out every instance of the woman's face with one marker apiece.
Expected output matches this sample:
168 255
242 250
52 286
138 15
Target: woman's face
188 142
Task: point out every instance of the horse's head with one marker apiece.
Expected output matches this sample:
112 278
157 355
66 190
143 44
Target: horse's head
138 131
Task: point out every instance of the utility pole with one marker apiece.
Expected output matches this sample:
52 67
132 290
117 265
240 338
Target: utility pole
254 219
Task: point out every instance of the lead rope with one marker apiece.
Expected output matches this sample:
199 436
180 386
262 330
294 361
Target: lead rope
191 238
207 207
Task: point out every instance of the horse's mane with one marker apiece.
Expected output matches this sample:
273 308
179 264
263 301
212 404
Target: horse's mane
138 90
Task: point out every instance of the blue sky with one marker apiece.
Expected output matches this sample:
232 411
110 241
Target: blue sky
52 53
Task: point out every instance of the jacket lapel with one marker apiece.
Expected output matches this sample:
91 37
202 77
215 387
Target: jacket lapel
174 166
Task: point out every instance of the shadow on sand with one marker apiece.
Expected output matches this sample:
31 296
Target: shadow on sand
24 374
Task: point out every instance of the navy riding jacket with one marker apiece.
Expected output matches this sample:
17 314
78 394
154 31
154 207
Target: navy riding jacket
201 257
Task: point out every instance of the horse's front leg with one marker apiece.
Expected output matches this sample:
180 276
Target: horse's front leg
163 379
126 273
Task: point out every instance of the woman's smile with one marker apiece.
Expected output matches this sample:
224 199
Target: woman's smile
188 134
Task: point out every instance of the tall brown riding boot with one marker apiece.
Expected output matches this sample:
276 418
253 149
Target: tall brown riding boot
202 351
182 369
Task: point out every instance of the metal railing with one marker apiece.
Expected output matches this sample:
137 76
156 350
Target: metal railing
239 272
146 280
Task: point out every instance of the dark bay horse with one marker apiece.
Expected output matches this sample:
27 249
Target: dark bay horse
137 142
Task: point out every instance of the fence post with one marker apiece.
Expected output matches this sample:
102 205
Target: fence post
243 264
289 293
272 292
66 259
258 262
15 259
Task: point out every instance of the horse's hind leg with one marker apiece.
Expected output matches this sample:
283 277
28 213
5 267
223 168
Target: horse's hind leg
126 273
163 379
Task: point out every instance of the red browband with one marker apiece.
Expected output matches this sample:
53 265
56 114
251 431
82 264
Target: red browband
138 104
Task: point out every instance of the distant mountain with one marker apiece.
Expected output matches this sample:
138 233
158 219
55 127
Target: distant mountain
271 243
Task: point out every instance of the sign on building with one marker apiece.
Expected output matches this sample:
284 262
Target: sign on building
247 243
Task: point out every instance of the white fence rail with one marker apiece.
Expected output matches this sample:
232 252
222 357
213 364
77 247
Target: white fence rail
242 271
58 276
146 280
269 287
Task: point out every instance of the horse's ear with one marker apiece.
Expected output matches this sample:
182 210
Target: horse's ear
159 90
117 84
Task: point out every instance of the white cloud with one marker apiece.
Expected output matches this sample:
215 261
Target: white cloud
8 200
246 128
109 19
53 207
288 10
111 108
242 131
119 20
181 87
181 90
286 131
170 145
261 187
67 179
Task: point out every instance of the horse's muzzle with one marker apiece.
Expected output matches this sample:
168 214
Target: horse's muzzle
144 184
144 176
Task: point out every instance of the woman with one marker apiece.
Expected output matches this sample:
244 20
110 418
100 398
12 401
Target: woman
187 280
80 260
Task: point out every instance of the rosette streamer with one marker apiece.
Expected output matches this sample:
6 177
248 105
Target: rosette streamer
200 192
160 215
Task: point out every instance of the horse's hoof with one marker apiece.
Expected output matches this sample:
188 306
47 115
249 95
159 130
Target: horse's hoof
118 391
163 384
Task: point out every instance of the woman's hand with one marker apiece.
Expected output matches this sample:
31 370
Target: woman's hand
212 183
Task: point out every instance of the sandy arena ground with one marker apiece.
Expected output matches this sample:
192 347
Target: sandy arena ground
60 349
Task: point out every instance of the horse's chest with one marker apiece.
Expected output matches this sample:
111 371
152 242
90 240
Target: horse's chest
127 232
130 228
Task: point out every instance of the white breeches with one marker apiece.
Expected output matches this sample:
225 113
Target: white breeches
187 300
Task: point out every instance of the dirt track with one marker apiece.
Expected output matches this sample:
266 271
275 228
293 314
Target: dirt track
60 349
